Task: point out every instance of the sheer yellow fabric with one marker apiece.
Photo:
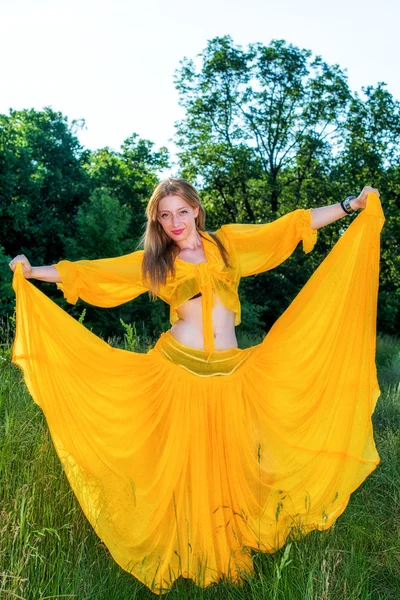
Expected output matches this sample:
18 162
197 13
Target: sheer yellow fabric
254 248
104 282
183 460
262 247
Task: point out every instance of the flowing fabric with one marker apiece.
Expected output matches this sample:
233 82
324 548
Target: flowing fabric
184 460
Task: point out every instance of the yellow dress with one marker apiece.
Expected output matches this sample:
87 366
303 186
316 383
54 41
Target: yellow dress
184 460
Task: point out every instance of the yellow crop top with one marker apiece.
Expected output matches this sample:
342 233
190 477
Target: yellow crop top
252 248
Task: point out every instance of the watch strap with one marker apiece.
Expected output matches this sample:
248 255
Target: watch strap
345 204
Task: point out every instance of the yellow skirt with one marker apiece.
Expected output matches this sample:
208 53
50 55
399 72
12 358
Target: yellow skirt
184 461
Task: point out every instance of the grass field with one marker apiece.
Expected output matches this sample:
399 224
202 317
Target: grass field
49 550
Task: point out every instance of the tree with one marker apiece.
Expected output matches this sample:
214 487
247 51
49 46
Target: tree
270 129
370 155
101 226
131 176
256 121
42 182
59 201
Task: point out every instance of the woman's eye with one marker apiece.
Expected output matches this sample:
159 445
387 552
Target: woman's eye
182 212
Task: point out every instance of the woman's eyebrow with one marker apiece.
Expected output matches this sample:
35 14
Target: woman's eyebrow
161 211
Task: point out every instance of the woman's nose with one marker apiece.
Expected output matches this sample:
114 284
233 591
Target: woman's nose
176 220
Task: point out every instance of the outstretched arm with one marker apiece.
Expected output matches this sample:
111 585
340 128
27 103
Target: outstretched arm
102 282
261 247
45 273
324 215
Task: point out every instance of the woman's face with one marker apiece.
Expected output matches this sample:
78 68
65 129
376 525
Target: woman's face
177 217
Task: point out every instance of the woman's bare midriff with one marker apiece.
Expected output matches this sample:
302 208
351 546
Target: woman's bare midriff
189 328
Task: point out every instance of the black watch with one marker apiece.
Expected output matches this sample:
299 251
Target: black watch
345 204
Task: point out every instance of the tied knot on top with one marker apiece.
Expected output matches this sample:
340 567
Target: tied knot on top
205 282
204 275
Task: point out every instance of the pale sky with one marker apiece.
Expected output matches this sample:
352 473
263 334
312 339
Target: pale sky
112 62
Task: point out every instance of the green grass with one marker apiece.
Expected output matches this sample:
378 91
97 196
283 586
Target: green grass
49 550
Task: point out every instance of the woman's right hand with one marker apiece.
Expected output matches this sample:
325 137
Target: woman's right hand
26 265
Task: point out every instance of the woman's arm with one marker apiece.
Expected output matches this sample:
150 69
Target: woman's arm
324 215
46 274
102 282
49 273
261 247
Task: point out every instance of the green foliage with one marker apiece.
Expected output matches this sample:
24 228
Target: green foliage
257 122
59 201
101 226
7 298
131 338
268 129
129 175
82 317
370 155
42 182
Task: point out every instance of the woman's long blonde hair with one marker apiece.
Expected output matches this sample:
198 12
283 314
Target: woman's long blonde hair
160 249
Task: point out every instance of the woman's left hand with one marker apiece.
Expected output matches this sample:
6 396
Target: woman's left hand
361 201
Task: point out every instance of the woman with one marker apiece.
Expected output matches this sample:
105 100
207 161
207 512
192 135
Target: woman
187 457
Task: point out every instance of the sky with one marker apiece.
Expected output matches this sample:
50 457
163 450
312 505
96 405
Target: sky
112 63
